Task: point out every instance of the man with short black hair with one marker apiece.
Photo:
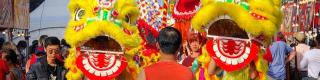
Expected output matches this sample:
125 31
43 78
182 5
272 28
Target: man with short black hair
48 67
169 42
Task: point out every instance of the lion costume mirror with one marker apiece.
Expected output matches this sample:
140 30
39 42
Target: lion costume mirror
237 32
103 38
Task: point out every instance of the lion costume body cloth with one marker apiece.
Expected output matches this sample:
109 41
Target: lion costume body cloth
237 32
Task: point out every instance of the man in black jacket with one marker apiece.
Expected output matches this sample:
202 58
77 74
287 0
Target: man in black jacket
48 67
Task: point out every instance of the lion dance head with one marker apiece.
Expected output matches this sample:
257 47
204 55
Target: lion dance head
103 38
237 31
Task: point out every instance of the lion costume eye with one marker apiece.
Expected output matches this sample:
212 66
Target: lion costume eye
79 14
127 19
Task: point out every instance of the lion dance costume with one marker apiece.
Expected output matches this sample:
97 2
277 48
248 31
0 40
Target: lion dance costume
109 37
237 31
113 39
104 39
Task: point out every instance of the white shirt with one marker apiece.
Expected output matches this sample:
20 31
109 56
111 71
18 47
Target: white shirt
311 60
301 49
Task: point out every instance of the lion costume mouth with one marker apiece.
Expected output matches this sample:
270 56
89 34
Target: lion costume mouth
228 44
101 56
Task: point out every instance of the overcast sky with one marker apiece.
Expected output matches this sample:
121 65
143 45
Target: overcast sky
55 14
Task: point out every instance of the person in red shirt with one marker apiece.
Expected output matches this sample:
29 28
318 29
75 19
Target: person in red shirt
169 41
4 69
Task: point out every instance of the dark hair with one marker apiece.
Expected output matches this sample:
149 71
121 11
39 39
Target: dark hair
1 42
51 41
12 57
169 40
33 46
34 42
22 44
281 36
313 43
64 43
318 39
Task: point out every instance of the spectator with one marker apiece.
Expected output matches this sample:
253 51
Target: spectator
32 48
41 43
42 39
22 45
11 59
40 47
9 45
193 48
301 48
279 50
4 69
1 42
311 60
64 49
169 41
3 66
48 67
39 52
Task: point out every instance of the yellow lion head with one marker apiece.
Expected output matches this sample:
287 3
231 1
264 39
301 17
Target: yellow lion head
101 33
237 30
256 17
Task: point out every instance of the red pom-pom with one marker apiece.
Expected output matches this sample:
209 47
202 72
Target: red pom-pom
115 13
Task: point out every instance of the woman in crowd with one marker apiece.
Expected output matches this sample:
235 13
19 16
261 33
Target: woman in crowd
21 46
11 58
193 48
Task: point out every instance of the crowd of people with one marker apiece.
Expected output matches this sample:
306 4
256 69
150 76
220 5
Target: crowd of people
42 60
296 62
45 58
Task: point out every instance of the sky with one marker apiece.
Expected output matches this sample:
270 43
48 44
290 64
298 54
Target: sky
54 14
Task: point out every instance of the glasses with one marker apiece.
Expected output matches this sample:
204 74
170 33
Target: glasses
55 51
